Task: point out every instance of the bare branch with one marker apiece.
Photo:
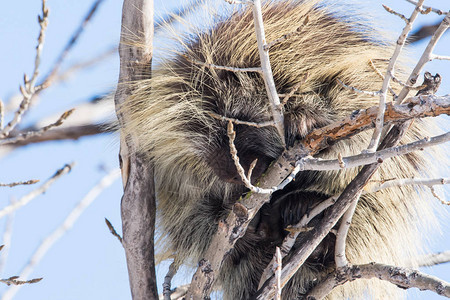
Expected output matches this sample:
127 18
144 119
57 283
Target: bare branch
113 230
73 40
30 134
398 81
379 121
425 57
246 180
277 270
440 57
234 226
28 182
358 90
390 10
65 226
433 192
236 121
360 120
434 259
29 85
226 68
14 281
294 231
30 196
341 236
267 70
350 194
401 277
372 65
286 36
438 11
373 187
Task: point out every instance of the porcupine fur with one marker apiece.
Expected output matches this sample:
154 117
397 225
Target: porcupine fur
197 182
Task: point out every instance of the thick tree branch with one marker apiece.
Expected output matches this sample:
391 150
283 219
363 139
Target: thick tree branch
138 202
401 277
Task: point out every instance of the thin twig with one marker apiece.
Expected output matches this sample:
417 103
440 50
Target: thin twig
269 82
30 134
438 11
173 16
113 230
173 268
66 225
73 40
33 194
372 65
398 81
63 75
28 182
358 90
379 121
433 192
440 57
434 259
233 151
390 10
425 57
287 36
239 122
29 84
14 281
226 68
374 187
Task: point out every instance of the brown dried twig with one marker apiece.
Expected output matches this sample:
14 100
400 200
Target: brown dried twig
14 281
33 194
28 182
113 230
287 35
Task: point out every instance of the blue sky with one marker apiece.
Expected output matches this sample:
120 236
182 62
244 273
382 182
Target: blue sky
88 262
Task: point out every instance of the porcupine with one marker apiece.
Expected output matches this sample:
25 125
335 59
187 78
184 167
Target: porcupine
195 176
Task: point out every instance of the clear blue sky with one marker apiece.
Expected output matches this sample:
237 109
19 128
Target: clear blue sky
88 262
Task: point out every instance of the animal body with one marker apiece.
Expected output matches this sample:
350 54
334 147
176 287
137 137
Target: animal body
196 179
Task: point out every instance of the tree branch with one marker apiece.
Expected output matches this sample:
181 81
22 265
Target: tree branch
401 277
138 201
